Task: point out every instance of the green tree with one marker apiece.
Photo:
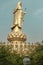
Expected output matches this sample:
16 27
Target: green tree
9 56
4 53
37 57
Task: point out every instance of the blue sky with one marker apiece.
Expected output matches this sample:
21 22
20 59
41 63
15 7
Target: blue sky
33 20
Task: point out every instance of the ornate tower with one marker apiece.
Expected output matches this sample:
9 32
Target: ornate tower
17 37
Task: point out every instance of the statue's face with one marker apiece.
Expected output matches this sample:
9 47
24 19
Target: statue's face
19 3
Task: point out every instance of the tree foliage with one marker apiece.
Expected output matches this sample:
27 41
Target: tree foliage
9 57
37 57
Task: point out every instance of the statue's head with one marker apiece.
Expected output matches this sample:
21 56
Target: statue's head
19 5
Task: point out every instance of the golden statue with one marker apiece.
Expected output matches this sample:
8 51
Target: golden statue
16 33
18 16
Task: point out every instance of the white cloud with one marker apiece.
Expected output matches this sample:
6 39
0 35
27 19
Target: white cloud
39 11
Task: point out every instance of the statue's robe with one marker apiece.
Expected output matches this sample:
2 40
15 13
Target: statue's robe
18 16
